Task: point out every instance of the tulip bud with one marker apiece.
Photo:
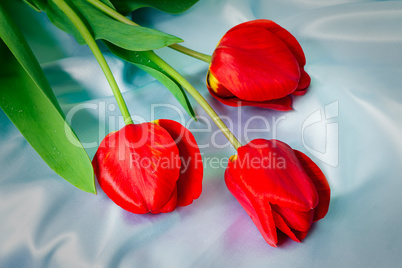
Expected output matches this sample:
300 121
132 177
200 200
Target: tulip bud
150 167
280 188
258 63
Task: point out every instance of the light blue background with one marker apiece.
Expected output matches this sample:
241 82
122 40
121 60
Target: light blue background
354 55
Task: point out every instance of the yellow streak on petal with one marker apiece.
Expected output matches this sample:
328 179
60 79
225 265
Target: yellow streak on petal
233 158
213 82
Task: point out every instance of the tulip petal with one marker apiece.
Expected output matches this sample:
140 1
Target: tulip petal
273 171
282 104
214 86
299 92
189 184
300 235
255 65
305 80
281 225
286 37
304 83
127 166
298 220
320 182
258 209
170 205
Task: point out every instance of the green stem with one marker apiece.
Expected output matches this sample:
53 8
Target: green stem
191 53
117 16
111 12
197 96
75 19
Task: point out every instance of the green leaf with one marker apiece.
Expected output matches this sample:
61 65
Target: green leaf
171 6
140 59
11 35
32 4
27 99
103 27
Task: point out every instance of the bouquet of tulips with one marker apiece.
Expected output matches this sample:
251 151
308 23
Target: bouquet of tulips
156 166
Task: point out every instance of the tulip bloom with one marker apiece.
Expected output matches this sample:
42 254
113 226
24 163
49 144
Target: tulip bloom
280 188
150 167
258 63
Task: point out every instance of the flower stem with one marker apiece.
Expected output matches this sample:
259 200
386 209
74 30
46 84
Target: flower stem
197 96
191 53
75 19
111 12
117 16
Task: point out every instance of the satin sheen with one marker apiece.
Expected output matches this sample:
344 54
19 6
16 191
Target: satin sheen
348 123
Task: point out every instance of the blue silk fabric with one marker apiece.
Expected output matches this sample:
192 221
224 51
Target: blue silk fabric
348 123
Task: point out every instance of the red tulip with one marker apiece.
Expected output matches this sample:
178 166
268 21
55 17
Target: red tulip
258 63
280 188
150 167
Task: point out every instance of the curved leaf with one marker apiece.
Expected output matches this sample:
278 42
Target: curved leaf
29 102
140 59
32 4
172 6
11 35
103 27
